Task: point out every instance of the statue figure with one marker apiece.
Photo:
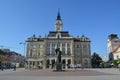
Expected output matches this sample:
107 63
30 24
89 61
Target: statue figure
58 52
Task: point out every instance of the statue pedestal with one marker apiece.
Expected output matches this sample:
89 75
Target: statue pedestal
58 67
58 62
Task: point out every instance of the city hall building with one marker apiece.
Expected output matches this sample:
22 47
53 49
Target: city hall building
40 51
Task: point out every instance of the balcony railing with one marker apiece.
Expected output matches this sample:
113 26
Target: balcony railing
56 54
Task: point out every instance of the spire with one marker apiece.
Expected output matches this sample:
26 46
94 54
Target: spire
58 16
58 22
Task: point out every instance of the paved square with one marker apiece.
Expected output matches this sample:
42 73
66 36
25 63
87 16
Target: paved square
86 74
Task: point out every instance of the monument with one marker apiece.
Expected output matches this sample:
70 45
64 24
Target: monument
58 62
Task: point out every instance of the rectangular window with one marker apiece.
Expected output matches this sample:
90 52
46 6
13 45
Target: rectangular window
63 51
77 46
38 53
58 45
33 46
40 46
48 51
53 45
30 53
68 51
63 44
28 45
68 45
48 45
53 51
84 46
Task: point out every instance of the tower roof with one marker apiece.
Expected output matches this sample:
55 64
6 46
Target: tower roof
58 16
113 36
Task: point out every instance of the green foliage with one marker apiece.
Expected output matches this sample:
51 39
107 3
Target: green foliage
102 64
105 65
116 62
96 60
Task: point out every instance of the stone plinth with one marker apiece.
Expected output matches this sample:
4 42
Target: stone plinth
58 67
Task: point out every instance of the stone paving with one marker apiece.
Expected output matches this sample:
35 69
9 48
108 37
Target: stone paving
71 74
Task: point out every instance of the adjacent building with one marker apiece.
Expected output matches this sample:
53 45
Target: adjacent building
10 58
40 51
113 47
104 58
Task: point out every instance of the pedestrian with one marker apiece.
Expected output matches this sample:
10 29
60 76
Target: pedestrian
14 68
75 66
2 67
82 67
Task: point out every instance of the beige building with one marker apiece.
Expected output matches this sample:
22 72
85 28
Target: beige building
113 47
116 53
40 51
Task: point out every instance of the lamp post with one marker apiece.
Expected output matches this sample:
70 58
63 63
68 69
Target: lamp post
23 43
24 46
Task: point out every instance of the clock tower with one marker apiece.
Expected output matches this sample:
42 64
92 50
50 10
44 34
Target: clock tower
58 23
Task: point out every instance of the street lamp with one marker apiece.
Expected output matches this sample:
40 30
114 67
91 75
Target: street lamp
24 52
24 46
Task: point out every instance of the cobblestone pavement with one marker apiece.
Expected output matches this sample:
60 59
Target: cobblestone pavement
91 74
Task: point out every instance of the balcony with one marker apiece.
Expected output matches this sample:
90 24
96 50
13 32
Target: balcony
56 54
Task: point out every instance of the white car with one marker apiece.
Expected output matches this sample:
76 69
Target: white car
72 66
78 65
75 66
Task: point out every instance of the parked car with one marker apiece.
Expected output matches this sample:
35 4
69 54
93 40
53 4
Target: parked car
75 66
72 66
78 65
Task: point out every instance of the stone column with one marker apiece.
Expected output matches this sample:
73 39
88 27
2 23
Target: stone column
44 62
36 66
50 48
32 66
28 65
66 48
66 66
50 64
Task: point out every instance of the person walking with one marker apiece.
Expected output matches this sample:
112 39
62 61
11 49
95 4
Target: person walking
2 67
14 68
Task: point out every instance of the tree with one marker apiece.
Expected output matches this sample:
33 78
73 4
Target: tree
116 62
96 60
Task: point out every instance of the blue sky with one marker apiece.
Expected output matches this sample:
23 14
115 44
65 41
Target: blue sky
96 19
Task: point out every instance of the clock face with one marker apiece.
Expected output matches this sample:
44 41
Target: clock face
58 28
